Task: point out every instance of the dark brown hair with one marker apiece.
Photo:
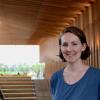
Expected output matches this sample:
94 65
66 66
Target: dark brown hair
80 34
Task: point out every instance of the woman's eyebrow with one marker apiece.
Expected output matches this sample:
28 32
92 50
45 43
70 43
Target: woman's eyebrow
71 41
76 41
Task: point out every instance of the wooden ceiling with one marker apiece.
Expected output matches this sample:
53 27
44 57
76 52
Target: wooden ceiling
30 21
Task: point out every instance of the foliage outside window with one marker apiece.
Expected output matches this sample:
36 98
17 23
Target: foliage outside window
36 71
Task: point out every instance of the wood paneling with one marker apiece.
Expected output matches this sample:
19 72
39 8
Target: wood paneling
29 21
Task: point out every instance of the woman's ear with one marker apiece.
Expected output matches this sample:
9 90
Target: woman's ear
84 46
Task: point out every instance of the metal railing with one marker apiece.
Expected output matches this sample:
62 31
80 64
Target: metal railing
1 95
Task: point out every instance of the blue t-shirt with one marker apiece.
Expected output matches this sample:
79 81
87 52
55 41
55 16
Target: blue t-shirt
87 88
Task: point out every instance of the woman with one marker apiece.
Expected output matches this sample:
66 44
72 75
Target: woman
76 81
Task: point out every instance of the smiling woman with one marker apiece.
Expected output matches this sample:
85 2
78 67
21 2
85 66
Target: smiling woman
76 81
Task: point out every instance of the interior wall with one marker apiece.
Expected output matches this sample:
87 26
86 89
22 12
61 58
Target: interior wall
96 28
49 51
90 20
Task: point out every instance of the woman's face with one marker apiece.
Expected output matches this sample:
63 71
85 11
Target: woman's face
71 47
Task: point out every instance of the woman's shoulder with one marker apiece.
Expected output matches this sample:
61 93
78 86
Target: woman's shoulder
58 73
95 70
55 78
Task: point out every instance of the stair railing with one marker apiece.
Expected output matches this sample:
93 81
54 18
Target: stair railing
1 95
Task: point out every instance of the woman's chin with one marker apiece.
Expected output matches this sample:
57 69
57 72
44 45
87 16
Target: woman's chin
70 60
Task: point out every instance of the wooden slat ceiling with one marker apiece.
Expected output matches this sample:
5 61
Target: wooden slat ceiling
29 21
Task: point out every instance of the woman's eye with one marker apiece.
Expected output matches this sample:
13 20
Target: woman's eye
64 44
75 44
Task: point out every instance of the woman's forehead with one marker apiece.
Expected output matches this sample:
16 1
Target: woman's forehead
69 37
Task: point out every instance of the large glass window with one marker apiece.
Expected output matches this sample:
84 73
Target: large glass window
21 60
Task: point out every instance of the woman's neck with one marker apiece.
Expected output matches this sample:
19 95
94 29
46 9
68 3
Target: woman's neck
77 66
